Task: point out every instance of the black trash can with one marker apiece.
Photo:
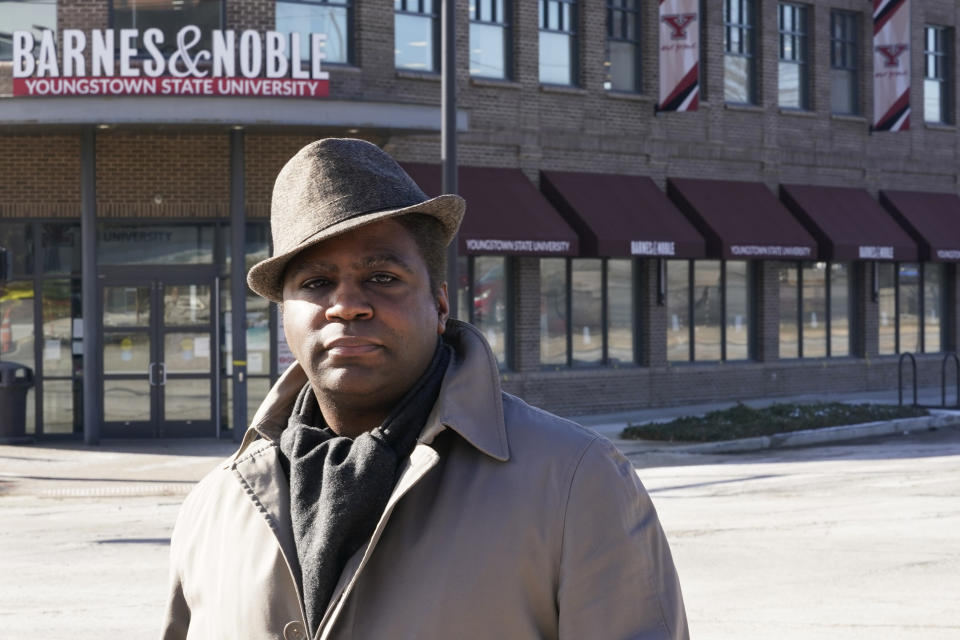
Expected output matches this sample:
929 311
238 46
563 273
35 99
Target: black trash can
15 382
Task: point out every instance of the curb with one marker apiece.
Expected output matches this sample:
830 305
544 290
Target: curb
819 436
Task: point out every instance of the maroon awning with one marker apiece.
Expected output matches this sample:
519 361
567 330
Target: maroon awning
848 223
741 220
618 216
506 214
933 219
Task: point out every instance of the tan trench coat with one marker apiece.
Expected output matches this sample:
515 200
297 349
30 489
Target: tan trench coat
506 522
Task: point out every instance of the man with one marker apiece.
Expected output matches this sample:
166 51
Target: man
387 488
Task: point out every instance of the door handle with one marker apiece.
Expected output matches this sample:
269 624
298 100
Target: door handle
150 374
163 373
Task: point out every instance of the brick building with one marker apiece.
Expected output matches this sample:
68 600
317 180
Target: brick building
617 256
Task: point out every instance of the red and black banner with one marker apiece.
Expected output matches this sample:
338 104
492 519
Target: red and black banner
679 55
891 65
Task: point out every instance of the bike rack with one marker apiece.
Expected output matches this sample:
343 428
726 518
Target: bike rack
913 365
943 379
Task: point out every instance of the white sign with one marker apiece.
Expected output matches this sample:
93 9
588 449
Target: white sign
255 64
876 253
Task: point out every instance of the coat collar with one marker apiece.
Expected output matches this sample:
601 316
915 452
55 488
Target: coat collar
469 402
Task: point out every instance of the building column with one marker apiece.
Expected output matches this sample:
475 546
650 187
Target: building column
650 327
238 285
525 341
88 291
766 301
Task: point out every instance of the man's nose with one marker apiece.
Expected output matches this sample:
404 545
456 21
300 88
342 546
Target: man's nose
348 302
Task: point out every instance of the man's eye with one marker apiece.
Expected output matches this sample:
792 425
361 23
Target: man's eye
315 283
382 278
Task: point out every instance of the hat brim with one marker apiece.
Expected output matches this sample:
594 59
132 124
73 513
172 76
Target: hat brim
266 277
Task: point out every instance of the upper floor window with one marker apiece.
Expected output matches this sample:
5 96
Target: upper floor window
416 27
622 63
793 69
739 64
25 15
169 16
330 17
936 75
844 63
814 309
558 41
708 310
490 38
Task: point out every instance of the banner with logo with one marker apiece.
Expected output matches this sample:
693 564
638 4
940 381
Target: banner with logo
891 65
679 55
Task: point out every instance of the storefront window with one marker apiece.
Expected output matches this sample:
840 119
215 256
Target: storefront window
330 17
887 307
169 16
789 278
490 303
814 309
416 35
620 311
678 311
17 239
61 311
25 15
932 306
737 295
58 406
60 248
908 307
586 295
553 311
169 244
707 310
839 286
814 301
17 331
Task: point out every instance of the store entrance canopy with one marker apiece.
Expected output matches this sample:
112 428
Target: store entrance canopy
741 220
848 223
506 215
933 219
618 216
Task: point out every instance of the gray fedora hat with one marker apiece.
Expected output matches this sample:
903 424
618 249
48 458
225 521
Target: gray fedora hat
335 185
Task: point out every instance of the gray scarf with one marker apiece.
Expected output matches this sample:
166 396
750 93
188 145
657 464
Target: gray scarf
340 486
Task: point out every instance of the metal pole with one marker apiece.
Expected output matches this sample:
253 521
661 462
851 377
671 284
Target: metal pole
448 132
88 288
238 285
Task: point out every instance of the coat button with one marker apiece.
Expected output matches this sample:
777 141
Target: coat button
294 631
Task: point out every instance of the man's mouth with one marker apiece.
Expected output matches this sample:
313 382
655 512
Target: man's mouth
349 346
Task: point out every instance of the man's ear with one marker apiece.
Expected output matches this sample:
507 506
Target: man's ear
443 308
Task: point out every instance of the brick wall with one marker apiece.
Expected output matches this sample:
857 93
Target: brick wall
39 176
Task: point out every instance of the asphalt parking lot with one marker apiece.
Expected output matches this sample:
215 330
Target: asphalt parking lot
851 540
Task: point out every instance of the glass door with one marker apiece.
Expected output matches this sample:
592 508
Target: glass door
157 363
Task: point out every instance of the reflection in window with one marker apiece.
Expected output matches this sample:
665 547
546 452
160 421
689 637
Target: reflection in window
622 64
814 308
489 309
712 300
17 239
814 314
739 21
887 307
553 311
558 41
61 302
932 306
844 42
415 35
330 17
169 16
489 38
936 75
620 324
58 401
119 243
908 307
60 247
789 279
586 307
793 56
16 322
25 15
840 298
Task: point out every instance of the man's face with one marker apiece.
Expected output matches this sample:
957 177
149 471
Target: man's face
359 315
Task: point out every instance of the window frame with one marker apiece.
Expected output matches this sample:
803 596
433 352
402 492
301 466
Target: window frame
570 31
828 306
506 26
849 44
348 5
921 308
799 36
628 14
691 318
747 45
434 17
943 36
